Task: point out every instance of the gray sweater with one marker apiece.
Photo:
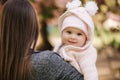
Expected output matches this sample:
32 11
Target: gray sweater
50 66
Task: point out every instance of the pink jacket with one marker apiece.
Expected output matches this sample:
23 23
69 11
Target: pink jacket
83 60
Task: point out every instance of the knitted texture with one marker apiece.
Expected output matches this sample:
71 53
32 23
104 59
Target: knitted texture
73 21
50 66
84 61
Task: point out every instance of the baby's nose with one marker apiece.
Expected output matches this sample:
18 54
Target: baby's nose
73 36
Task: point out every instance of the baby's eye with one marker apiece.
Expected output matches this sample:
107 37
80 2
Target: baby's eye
69 32
79 34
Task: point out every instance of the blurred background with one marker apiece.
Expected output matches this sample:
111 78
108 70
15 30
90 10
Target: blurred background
107 32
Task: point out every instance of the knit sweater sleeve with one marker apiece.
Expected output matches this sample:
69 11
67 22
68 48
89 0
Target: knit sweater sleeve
50 66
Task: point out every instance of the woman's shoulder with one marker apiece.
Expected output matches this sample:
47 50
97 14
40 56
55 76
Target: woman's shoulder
47 58
41 65
43 55
48 65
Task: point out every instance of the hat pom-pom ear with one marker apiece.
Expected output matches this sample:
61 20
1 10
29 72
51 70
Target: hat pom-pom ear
73 4
91 7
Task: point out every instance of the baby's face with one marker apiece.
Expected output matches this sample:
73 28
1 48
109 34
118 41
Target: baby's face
73 36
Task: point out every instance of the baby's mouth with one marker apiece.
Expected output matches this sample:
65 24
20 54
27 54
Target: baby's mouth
72 42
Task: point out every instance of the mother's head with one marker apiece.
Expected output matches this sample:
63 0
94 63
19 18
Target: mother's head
18 33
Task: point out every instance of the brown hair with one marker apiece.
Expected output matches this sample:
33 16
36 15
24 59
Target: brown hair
18 32
2 1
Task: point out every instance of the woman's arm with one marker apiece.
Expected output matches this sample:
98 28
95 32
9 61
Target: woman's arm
50 66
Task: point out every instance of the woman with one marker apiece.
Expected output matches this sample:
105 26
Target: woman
18 36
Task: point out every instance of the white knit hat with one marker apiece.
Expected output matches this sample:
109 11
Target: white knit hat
80 17
73 21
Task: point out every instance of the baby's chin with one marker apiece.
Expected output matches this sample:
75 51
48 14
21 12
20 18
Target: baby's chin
76 45
72 45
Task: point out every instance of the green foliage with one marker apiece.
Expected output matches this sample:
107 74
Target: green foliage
47 12
32 1
107 37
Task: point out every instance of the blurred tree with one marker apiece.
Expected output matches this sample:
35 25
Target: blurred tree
107 23
46 10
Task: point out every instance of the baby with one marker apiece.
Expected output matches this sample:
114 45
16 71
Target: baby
77 32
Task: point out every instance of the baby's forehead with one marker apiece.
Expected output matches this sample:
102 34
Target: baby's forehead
73 28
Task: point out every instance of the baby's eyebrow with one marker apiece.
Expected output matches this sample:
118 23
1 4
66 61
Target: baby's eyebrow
68 31
79 34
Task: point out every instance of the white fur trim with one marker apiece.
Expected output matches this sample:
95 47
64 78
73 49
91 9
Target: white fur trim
73 4
91 7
